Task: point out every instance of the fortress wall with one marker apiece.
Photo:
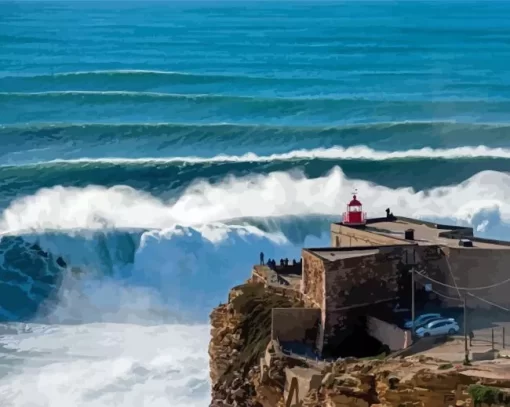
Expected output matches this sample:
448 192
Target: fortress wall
313 289
475 267
342 236
312 282
364 280
431 261
295 324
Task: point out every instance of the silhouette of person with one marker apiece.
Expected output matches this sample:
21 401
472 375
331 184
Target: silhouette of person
262 258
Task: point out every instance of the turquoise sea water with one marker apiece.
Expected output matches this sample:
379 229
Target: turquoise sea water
154 148
178 79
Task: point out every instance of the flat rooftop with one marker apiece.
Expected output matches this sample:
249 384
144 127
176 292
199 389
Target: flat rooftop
426 233
334 255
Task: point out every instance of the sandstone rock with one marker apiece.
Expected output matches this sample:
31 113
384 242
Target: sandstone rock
238 394
350 382
328 380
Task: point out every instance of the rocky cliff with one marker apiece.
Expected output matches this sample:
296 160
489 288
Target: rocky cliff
248 369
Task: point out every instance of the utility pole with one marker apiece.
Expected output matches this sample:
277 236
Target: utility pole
466 351
412 300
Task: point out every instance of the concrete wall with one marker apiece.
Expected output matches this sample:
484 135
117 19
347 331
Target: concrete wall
475 267
343 236
388 334
295 324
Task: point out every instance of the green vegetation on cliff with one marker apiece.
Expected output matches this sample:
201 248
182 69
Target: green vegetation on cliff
488 395
255 304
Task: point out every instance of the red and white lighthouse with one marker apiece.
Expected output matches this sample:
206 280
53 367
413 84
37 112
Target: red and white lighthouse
354 216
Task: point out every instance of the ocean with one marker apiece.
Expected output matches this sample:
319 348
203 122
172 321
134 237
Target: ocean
150 150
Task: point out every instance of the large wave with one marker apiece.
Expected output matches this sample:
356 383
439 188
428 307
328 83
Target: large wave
116 315
209 236
45 142
271 195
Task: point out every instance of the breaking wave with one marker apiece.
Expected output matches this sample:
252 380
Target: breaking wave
96 247
166 139
200 243
270 195
333 153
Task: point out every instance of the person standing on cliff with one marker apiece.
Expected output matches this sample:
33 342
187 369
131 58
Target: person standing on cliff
261 258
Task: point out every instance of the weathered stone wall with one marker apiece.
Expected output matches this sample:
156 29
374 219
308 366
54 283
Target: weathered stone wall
391 335
312 283
475 267
362 280
432 262
295 324
343 236
313 289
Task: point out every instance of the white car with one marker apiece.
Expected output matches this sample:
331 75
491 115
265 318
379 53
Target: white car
447 326
422 319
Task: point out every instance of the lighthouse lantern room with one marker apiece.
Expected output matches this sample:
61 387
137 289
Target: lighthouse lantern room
354 216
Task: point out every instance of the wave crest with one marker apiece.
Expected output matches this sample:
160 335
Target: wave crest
272 195
360 153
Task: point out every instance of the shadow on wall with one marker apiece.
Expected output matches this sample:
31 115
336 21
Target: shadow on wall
354 340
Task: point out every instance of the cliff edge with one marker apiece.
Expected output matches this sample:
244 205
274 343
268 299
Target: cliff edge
249 368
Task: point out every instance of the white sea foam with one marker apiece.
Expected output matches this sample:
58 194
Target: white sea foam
111 358
106 364
121 349
275 194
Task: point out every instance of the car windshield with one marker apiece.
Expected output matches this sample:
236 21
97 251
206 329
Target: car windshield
427 316
424 321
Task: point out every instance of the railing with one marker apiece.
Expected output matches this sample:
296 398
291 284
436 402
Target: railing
287 352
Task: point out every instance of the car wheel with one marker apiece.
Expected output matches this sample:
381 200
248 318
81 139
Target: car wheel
426 334
451 331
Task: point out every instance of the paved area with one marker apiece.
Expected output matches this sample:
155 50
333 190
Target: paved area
454 351
484 325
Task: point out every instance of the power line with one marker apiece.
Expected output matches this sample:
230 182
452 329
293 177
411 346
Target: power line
458 299
489 302
440 294
464 288
453 277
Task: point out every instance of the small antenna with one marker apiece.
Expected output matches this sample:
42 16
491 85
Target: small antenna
355 191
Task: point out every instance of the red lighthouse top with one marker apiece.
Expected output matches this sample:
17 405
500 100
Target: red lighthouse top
355 202
354 216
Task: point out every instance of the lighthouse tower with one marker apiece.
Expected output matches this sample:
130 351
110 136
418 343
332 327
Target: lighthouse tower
354 216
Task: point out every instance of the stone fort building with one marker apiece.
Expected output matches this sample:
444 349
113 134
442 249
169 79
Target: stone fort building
368 271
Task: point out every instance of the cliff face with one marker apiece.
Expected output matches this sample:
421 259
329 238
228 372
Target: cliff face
247 369
239 337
